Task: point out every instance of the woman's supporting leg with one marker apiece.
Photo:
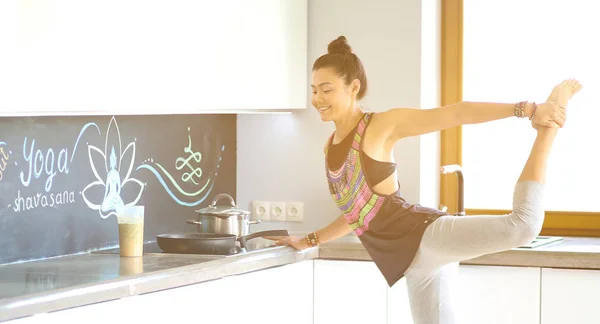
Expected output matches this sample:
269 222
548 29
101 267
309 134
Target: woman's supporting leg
451 239
433 294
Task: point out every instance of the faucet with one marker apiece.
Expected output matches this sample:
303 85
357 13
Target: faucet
455 168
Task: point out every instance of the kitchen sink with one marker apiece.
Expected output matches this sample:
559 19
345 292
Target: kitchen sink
541 240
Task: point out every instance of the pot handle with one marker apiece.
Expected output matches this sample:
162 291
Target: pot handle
222 195
245 238
193 222
254 221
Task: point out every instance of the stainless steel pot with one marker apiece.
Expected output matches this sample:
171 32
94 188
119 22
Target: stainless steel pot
223 219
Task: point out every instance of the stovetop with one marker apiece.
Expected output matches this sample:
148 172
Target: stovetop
153 248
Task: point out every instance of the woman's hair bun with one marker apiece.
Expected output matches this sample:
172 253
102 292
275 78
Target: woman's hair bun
339 46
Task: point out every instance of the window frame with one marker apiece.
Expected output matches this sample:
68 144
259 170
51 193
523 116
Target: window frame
561 223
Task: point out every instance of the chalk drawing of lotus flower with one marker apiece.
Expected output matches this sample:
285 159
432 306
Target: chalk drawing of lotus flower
106 194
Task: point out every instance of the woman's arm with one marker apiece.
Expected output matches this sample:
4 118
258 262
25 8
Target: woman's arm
336 229
481 112
405 122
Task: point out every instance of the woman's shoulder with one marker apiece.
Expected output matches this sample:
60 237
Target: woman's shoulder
378 133
379 123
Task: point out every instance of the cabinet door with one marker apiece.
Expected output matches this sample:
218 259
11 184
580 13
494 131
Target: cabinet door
152 57
398 304
570 296
209 300
277 295
263 57
349 292
282 294
499 295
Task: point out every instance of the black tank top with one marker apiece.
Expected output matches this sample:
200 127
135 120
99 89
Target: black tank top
376 171
388 226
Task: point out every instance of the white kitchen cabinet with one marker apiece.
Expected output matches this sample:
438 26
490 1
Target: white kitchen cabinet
205 300
499 295
398 306
570 296
152 57
484 296
349 292
332 291
277 295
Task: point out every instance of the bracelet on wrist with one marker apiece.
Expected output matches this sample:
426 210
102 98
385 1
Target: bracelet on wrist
312 239
533 112
520 109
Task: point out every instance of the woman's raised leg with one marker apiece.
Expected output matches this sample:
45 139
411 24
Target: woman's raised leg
451 239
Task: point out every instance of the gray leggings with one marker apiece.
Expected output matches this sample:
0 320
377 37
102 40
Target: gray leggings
451 239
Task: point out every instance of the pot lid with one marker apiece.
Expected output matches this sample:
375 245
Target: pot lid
223 210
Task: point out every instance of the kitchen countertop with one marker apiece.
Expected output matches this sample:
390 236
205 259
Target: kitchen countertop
568 253
58 283
64 282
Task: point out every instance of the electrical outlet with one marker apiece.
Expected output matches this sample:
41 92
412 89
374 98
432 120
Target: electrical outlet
261 210
295 211
278 211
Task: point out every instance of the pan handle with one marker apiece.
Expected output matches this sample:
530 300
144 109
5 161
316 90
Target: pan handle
193 222
245 238
254 221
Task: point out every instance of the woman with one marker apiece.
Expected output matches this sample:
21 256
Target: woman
403 239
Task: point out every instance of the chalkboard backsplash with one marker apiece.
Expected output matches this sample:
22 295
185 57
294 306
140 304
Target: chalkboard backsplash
61 178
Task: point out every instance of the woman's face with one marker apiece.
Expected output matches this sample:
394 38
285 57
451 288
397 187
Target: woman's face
330 96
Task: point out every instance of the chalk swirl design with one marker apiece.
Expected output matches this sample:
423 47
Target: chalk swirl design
175 188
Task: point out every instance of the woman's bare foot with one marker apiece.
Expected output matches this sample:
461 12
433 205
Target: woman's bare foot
535 168
560 95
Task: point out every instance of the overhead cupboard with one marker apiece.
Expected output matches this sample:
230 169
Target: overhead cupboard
81 57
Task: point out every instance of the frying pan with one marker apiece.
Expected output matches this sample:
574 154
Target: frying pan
208 243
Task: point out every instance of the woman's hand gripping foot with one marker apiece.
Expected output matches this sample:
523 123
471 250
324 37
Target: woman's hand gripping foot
559 97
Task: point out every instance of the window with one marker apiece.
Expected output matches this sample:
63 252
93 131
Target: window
508 51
